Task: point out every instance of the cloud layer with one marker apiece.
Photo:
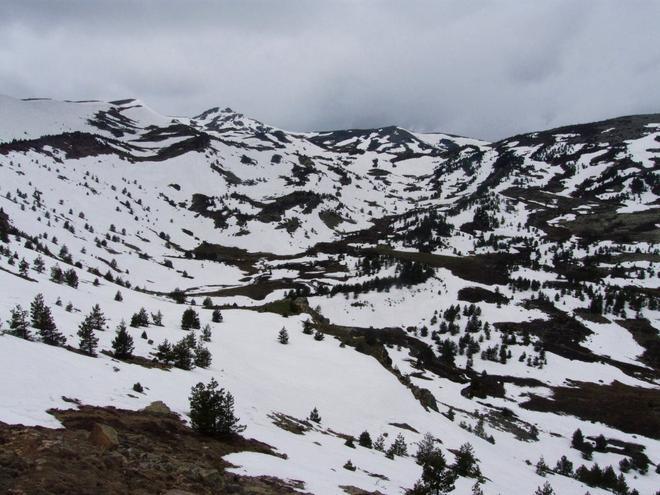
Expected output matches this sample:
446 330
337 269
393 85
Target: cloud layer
486 69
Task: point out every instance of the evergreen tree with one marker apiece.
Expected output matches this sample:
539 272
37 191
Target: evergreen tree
216 316
19 325
466 463
212 410
283 336
182 355
398 447
546 489
71 278
140 319
190 319
315 416
308 328
564 466
207 303
425 448
365 440
164 352
97 319
379 444
541 467
436 477
42 320
577 442
157 318
119 297
206 333
56 274
319 335
38 264
122 345
23 267
202 356
88 341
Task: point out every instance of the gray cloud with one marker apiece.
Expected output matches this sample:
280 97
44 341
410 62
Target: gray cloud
487 69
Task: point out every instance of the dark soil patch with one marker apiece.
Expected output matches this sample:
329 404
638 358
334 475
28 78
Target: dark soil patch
156 453
626 408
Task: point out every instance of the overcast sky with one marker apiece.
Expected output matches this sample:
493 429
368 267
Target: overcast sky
486 69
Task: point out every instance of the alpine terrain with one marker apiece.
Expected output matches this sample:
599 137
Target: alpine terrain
208 304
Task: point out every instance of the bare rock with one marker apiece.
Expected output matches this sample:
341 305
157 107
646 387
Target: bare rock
104 436
157 407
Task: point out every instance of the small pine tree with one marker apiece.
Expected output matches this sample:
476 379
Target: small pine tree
365 440
216 316
379 444
425 448
546 489
38 265
97 319
88 341
212 410
190 319
207 303
182 355
319 336
19 325
119 297
157 318
122 345
164 352
349 466
206 333
541 467
23 267
577 442
315 416
42 320
308 328
398 447
466 463
202 356
283 336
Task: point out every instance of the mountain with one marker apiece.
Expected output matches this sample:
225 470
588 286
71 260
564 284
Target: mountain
501 295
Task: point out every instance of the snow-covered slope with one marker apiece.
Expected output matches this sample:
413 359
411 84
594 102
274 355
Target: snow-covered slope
497 294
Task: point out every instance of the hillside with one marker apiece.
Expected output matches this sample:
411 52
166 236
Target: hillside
501 295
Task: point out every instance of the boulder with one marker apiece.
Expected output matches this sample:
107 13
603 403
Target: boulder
157 407
104 436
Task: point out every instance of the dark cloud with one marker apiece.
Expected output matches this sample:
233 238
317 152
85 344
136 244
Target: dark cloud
481 68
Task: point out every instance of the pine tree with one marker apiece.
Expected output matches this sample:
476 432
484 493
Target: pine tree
202 356
577 441
283 336
190 319
425 448
97 319
315 416
71 278
38 264
207 303
88 341
122 345
182 355
379 444
19 325
466 463
23 267
157 318
212 410
541 467
365 440
216 316
319 335
119 297
398 447
308 328
164 352
42 320
437 478
206 333
546 489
